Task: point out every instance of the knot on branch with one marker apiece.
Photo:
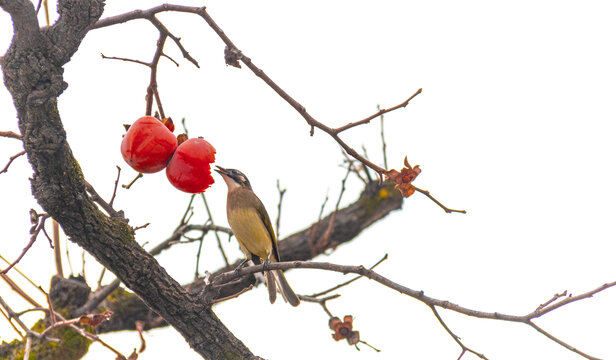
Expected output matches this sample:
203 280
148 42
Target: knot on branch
69 293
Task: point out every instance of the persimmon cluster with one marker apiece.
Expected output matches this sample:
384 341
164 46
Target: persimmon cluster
150 146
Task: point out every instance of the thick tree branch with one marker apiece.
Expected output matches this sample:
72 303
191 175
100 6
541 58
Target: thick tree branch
33 74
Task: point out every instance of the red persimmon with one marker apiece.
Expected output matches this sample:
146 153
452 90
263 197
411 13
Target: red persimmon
189 168
148 145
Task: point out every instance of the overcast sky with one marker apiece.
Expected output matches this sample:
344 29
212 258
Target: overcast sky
515 124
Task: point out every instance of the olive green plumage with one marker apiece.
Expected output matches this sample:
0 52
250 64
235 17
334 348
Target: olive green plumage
253 230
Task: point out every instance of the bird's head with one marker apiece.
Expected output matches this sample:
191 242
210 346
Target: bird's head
234 178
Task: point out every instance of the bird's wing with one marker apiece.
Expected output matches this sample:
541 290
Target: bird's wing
268 225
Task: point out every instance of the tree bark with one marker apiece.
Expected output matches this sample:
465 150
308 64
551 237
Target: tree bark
32 69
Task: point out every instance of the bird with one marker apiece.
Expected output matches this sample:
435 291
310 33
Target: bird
252 228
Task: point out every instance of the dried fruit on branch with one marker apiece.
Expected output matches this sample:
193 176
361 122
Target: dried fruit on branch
404 178
95 320
344 329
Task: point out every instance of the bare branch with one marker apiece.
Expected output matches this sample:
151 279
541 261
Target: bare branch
349 281
381 112
383 138
166 32
19 290
281 193
10 134
454 336
560 342
56 248
554 298
447 210
419 295
218 241
11 159
115 187
99 200
35 232
140 175
125 59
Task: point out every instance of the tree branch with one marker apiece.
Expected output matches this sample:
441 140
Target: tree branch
33 75
10 134
419 295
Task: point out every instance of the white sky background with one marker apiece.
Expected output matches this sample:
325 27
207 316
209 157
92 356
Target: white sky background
515 125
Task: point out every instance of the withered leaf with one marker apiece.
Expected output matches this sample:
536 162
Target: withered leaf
94 320
404 178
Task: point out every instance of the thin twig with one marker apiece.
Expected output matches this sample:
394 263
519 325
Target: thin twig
554 298
19 290
343 187
349 281
115 187
281 193
125 59
99 200
320 301
100 279
98 297
56 248
560 342
170 59
447 210
68 256
16 287
381 112
12 315
152 90
52 313
83 265
28 347
140 227
200 248
132 182
35 232
10 322
219 300
10 134
383 138
323 206
11 159
454 336
163 30
211 220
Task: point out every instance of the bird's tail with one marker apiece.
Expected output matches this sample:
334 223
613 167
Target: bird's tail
271 285
287 293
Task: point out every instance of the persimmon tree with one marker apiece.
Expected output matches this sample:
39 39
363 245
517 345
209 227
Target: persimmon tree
33 74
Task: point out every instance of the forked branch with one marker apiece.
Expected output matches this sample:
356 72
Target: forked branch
419 295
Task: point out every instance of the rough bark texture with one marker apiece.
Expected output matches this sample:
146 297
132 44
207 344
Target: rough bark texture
33 70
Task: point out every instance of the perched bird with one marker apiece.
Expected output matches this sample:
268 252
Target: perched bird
253 230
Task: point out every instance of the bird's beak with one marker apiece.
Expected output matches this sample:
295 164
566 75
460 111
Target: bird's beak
221 170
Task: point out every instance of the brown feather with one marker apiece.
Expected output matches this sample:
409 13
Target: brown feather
253 230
